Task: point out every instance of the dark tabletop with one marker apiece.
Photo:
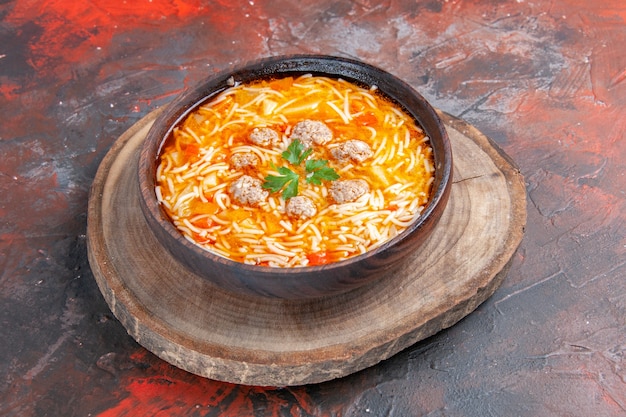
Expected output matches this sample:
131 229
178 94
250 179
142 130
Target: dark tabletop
546 80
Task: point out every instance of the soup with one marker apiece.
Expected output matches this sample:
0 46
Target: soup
294 172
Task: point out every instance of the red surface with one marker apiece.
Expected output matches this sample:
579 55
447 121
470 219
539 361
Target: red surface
544 79
167 391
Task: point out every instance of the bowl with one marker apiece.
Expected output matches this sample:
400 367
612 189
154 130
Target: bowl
303 282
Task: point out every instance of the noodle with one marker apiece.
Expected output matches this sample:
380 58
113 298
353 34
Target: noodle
197 170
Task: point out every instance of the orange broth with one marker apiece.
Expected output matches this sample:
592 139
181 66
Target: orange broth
194 173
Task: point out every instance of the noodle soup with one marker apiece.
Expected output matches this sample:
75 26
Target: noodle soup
294 172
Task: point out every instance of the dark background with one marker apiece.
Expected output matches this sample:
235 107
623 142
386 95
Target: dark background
546 80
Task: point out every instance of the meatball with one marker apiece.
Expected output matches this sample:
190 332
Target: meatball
311 132
243 160
344 191
264 136
301 207
248 190
352 150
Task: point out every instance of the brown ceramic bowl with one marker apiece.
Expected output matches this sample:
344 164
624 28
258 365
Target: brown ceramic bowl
300 282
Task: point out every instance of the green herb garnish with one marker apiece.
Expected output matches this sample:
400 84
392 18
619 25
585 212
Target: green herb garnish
286 181
296 152
316 170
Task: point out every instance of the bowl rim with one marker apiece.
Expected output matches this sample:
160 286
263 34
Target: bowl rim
279 67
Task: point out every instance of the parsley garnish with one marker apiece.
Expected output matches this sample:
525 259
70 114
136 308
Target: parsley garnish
296 152
316 171
286 181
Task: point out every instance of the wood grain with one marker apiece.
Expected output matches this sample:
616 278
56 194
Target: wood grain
198 327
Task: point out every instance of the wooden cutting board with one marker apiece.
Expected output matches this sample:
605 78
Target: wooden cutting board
200 328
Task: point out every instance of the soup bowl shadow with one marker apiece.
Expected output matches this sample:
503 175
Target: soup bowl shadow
310 281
